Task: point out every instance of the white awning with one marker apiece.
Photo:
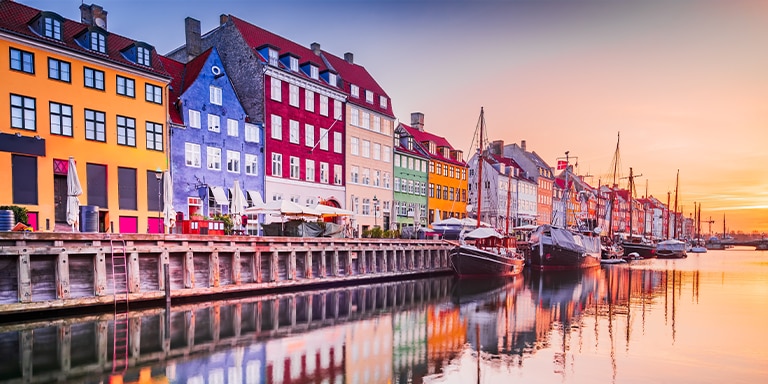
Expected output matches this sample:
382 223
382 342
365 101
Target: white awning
256 199
219 195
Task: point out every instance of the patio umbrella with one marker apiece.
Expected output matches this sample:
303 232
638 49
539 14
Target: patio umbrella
238 203
169 214
327 210
73 191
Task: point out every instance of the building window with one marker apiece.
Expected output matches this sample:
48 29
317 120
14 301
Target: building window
293 95
354 174
277 164
233 161
369 97
354 146
366 120
22 61
383 102
215 95
192 155
23 112
337 109
98 42
366 149
251 165
276 89
324 173
126 86
323 105
61 119
354 90
52 28
377 178
387 152
252 134
366 206
387 178
366 176
277 127
337 143
154 136
309 170
143 56
213 123
332 79
213 155
23 179
354 119
154 94
233 128
323 139
337 174
309 100
313 72
194 118
126 131
126 188
95 125
376 151
376 123
93 78
59 70
397 160
293 62
309 135
294 167
293 131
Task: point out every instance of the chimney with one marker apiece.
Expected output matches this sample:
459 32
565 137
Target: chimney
497 146
315 48
223 18
522 145
349 58
417 121
93 15
192 33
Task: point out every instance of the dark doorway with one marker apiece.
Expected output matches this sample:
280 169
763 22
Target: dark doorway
60 198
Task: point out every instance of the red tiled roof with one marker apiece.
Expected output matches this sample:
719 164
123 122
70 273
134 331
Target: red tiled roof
182 76
356 74
256 37
15 18
422 136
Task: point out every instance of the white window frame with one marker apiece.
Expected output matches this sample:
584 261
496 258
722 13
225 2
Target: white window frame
213 158
276 127
354 174
366 120
366 176
337 174
337 142
324 139
314 72
214 123
323 105
276 86
309 135
215 94
354 91
369 97
294 171
251 164
376 151
383 102
252 134
354 117
366 149
354 146
337 109
273 57
309 170
293 95
324 172
192 155
194 118
233 128
386 153
293 62
277 164
309 100
293 131
376 123
233 161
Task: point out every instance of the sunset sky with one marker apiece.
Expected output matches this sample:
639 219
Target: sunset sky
684 81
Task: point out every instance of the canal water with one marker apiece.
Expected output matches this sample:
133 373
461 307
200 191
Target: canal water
703 319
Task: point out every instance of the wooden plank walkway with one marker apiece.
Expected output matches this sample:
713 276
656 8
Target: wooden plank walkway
55 271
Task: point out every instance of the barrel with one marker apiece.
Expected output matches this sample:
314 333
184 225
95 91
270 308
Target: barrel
89 218
7 221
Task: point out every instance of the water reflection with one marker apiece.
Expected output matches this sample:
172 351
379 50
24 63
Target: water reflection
602 325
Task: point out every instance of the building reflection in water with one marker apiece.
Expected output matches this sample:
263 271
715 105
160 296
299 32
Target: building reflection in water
395 332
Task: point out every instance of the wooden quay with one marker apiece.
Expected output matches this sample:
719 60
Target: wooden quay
58 271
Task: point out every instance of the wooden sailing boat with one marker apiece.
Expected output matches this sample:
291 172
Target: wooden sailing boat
484 251
698 243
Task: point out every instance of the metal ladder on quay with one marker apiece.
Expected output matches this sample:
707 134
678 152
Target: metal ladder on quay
121 309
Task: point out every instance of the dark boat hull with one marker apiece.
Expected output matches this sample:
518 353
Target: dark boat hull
558 258
473 262
646 251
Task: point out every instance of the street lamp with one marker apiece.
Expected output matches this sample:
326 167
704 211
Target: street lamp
159 177
375 209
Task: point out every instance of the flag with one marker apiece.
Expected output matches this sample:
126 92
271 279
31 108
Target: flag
561 164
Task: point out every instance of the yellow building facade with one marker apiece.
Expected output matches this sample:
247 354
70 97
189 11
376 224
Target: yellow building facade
71 89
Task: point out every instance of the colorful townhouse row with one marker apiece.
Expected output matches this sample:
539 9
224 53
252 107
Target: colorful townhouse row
236 104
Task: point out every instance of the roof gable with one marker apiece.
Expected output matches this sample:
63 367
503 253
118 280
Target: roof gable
356 74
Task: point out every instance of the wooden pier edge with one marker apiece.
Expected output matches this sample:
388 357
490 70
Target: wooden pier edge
42 272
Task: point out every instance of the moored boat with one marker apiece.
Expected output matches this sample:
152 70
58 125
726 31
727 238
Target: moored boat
554 248
640 245
671 249
491 254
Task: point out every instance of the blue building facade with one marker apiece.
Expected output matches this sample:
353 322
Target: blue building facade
212 143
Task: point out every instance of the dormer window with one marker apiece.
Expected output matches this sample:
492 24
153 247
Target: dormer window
272 56
98 42
313 72
52 27
142 56
294 64
354 90
369 97
383 102
332 79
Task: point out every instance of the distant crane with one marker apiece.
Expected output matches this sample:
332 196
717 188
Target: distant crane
710 222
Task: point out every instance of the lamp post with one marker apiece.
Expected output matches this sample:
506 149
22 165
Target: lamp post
159 177
375 209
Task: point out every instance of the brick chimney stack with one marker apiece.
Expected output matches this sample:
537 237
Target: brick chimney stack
349 58
522 145
93 15
223 18
315 48
417 121
192 34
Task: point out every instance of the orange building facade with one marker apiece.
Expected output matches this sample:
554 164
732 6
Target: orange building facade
72 89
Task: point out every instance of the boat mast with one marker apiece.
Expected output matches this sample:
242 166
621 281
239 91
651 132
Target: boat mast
509 195
565 194
480 122
615 185
630 197
675 236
